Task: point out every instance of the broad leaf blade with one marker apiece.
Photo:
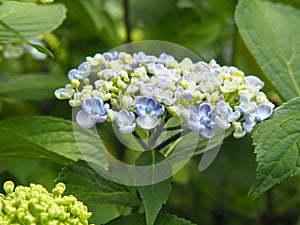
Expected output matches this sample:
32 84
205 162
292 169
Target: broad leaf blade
271 32
30 20
90 187
51 138
31 86
139 219
155 194
277 145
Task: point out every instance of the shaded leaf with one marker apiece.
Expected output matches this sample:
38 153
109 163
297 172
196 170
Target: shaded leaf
102 22
30 20
277 145
163 219
261 23
31 86
155 194
47 137
90 187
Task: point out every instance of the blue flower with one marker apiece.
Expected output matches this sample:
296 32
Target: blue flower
125 121
202 120
93 111
83 71
262 112
148 111
225 115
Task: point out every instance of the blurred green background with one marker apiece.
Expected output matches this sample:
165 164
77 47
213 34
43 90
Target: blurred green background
207 27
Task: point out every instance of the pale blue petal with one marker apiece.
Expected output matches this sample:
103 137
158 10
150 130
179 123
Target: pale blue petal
99 118
239 108
192 109
204 109
140 100
84 119
151 102
208 132
74 74
158 111
222 123
147 122
234 116
248 126
220 107
264 111
127 129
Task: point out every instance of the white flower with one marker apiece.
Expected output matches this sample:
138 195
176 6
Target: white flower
65 93
125 121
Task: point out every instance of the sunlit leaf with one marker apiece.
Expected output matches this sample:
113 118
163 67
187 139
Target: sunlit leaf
50 138
271 32
30 20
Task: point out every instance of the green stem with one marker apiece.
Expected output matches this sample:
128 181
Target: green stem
127 20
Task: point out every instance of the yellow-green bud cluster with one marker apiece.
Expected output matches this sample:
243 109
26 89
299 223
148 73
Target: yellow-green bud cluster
34 205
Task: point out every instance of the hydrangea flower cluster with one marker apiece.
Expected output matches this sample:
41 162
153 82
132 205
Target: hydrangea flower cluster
141 90
35 205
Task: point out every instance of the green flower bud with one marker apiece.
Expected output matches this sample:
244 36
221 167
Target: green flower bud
8 187
75 83
59 189
35 205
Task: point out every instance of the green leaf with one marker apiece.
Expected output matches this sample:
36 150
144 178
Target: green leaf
277 145
271 32
31 86
47 137
102 22
163 219
29 20
90 187
40 48
155 194
102 213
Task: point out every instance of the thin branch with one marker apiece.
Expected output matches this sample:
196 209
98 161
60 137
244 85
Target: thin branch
159 130
127 20
173 128
140 141
171 139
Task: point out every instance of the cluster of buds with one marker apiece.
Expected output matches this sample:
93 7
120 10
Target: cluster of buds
35 205
141 90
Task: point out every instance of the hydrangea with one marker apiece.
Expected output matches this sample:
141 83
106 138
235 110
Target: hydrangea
202 120
35 205
144 91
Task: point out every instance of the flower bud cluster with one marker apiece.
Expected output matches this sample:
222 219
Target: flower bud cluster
35 205
140 90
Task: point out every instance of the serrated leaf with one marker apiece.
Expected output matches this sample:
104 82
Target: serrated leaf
277 145
271 32
29 19
139 219
51 138
90 187
155 194
31 86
